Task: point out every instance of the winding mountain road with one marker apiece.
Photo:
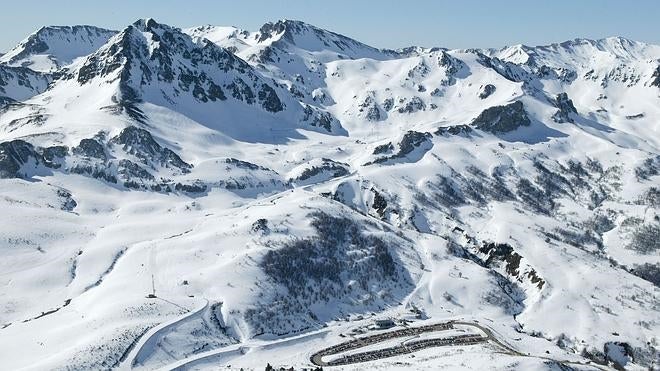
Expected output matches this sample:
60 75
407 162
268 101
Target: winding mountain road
403 348
409 346
146 344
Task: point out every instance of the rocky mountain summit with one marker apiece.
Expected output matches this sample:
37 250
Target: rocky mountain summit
184 198
51 48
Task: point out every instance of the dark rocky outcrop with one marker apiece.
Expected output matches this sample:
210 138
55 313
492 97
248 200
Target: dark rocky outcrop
176 60
318 118
53 155
655 78
452 66
244 164
380 203
383 148
190 188
142 145
90 148
67 203
410 141
454 130
502 119
635 116
369 108
486 91
388 104
269 99
13 155
130 170
502 252
334 169
5 101
30 82
412 105
566 109
260 226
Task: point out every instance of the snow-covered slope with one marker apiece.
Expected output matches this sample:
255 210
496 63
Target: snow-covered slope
51 48
19 84
212 197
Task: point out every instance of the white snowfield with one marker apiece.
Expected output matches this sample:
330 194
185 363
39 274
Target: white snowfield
218 198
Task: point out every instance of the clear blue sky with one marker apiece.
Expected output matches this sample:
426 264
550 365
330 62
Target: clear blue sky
383 23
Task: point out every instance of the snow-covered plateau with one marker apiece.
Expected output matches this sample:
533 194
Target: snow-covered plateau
216 198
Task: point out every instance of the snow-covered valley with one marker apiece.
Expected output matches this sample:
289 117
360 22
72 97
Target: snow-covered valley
220 198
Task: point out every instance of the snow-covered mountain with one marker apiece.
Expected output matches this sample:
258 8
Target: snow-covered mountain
51 48
215 196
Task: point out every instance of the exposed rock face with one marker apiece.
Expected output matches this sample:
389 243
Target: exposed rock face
369 108
486 91
260 226
412 105
388 104
506 254
509 71
244 164
13 155
635 116
383 148
380 203
420 70
67 202
334 169
147 52
130 170
411 141
90 148
53 155
19 83
454 130
314 116
4 101
269 99
566 109
452 67
142 145
655 78
502 119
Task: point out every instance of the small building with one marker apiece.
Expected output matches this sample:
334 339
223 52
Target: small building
383 323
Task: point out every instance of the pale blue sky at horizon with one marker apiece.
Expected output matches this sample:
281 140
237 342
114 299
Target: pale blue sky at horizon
383 24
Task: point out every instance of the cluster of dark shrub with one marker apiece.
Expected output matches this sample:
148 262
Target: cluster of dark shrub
646 239
339 261
650 167
647 271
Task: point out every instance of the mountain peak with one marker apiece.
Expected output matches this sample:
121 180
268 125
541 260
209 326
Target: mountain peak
147 24
52 47
284 29
288 33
